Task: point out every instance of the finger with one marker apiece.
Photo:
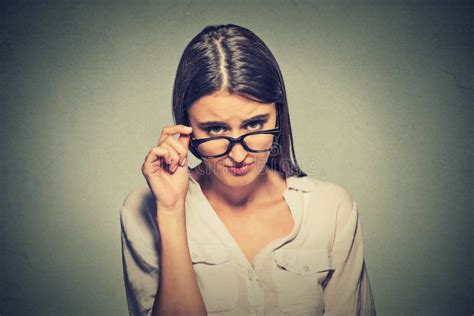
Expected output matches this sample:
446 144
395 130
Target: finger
156 154
175 129
173 157
180 149
184 140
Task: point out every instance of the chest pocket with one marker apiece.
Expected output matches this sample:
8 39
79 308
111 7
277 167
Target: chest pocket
298 275
216 276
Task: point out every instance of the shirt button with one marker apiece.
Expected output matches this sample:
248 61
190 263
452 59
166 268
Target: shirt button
249 274
306 268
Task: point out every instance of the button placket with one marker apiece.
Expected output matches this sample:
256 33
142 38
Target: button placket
251 291
255 293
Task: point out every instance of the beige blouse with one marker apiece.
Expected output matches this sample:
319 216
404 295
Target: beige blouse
318 269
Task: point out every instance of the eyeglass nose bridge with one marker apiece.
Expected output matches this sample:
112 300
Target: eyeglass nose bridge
239 140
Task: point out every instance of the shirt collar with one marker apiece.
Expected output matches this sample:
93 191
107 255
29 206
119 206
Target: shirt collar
300 183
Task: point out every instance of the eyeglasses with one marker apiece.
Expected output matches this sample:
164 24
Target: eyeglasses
255 142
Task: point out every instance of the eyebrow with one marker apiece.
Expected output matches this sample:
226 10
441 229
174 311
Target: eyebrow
203 125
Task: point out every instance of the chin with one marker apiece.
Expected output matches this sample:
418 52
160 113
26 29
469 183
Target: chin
233 181
230 179
224 175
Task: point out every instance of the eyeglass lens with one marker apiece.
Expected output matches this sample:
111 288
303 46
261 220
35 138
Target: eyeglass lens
255 142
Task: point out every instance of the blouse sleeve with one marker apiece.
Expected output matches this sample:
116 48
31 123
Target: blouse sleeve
348 290
140 265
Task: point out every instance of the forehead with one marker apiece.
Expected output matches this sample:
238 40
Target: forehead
226 107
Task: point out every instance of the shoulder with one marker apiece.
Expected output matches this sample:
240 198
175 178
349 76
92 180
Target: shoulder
332 198
137 202
322 189
339 199
137 199
137 216
333 205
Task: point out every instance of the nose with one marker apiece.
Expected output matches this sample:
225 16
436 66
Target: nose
238 153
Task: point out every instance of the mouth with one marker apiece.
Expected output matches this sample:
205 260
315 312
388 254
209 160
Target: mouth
240 169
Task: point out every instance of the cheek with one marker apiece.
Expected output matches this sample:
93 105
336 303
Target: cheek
215 165
261 160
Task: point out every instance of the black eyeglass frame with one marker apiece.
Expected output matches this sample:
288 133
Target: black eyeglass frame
194 143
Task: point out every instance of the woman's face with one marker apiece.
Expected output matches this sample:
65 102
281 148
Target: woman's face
224 114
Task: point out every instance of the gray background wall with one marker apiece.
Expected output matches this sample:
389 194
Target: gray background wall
381 100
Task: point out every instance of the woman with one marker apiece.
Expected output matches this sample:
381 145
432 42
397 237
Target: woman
246 232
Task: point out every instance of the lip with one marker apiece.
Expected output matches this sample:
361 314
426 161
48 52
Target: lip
240 171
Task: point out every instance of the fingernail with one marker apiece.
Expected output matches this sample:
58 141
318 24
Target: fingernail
174 169
182 162
188 128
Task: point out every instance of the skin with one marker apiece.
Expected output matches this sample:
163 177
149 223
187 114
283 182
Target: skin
251 206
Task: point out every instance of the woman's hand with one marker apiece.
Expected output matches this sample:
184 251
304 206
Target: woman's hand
166 167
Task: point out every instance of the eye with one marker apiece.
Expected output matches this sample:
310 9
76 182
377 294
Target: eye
214 129
255 124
